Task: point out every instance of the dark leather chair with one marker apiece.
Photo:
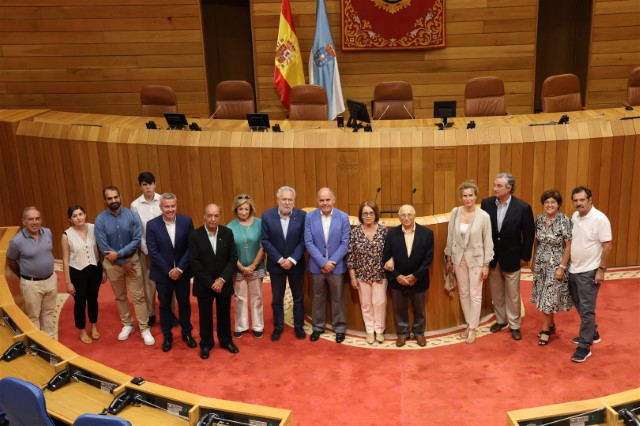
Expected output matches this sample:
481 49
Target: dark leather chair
100 420
234 100
396 95
23 403
484 96
633 87
561 93
156 100
309 102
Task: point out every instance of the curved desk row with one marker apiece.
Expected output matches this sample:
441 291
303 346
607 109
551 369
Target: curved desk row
85 386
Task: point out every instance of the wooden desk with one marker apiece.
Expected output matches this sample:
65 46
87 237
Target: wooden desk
554 411
630 397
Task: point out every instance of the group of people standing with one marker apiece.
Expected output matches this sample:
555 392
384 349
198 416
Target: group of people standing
151 248
496 240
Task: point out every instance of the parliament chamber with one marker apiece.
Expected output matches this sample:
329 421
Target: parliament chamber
71 123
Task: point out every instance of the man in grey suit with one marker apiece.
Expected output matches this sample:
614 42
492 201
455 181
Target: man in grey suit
513 231
326 236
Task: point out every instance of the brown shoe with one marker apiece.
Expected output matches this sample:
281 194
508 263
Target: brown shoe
422 341
401 341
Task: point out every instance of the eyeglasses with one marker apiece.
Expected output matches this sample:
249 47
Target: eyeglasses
243 197
368 213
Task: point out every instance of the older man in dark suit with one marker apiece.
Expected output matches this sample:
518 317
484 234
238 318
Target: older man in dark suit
411 247
283 241
212 252
167 239
513 233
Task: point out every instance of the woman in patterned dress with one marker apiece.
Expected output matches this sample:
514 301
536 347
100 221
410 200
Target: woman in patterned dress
364 261
550 291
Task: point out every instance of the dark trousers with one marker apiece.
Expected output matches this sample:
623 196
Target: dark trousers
87 284
584 292
165 290
278 286
400 300
223 319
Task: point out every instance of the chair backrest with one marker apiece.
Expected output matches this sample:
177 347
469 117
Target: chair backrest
561 93
396 95
156 100
633 87
309 102
100 420
23 403
484 96
234 100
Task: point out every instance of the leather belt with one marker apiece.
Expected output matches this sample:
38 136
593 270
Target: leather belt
28 278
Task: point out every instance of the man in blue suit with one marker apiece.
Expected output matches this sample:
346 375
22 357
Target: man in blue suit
326 236
283 241
167 239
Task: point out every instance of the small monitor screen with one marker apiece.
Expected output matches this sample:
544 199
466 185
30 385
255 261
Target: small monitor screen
258 121
444 109
175 120
357 113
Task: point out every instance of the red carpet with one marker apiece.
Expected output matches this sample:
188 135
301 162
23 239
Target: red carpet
328 384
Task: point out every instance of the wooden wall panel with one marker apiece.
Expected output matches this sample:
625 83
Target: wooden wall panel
97 55
204 167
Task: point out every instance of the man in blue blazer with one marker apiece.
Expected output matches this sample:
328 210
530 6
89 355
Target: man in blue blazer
326 236
167 239
513 231
283 241
410 245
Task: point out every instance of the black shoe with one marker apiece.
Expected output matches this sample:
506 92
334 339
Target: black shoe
515 334
204 352
340 337
581 355
238 334
275 336
166 345
151 321
190 340
232 348
315 335
176 321
300 333
258 334
497 327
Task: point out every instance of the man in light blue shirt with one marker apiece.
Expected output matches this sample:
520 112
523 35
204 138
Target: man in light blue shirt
118 232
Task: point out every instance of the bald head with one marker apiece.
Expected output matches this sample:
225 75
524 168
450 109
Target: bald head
407 215
212 217
326 200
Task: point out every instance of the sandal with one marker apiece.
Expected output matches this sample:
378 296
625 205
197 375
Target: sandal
95 334
544 338
552 330
85 339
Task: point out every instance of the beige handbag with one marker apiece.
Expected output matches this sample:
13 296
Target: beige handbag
450 283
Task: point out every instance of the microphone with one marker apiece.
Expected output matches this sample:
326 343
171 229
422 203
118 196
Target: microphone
381 115
375 200
412 117
212 115
412 192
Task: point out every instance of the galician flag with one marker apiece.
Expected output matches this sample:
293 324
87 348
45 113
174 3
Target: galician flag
288 70
323 63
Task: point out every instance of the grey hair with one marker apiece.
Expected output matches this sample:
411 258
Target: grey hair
28 209
285 188
511 182
168 196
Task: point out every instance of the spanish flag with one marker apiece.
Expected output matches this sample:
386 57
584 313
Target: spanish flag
288 63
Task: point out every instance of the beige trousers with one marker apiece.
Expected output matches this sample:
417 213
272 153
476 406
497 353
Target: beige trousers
470 290
241 308
40 302
505 293
120 284
373 302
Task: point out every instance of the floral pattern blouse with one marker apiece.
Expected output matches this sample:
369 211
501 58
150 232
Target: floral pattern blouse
364 256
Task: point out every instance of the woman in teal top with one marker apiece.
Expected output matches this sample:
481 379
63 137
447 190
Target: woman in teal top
250 267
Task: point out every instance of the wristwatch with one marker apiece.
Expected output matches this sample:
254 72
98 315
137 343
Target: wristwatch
604 268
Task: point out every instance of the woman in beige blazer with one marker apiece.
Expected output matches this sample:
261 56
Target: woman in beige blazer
468 253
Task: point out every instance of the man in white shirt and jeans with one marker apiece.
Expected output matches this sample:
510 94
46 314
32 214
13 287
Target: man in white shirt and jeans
590 249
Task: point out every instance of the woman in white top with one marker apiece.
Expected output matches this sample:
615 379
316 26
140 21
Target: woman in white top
82 271
469 251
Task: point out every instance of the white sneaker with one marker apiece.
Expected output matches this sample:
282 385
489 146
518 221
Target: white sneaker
126 332
148 338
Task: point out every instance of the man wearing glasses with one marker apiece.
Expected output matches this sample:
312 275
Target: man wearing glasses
411 247
283 241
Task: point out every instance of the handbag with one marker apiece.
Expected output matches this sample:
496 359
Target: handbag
450 283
